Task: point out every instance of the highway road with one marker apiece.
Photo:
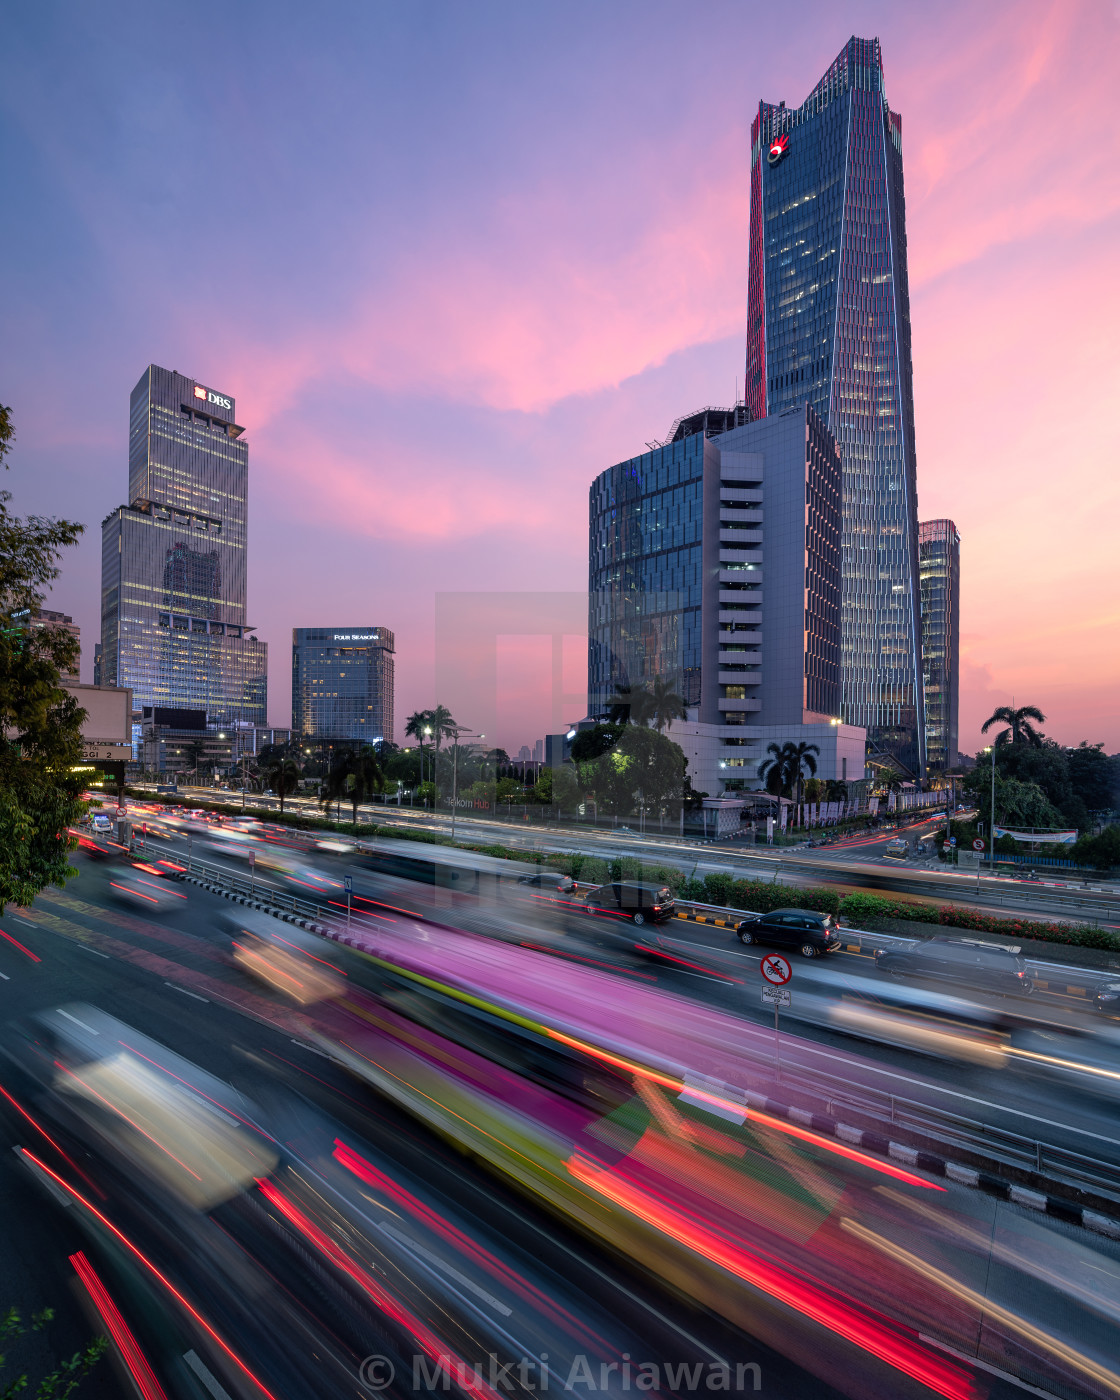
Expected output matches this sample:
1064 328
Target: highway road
172 977
168 971
854 864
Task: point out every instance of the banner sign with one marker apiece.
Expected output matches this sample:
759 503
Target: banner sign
1043 838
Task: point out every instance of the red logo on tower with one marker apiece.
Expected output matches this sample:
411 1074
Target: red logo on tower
778 149
199 392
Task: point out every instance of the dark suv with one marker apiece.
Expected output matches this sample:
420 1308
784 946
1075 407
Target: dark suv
627 899
804 929
969 962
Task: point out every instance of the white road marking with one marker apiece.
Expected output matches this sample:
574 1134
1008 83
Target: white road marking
5 976
77 1022
94 951
26 922
175 988
444 1267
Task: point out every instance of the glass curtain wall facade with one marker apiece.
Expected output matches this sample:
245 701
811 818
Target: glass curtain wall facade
939 554
342 683
173 575
828 324
646 572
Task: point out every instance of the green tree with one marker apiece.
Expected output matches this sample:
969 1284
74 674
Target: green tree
195 750
632 705
665 704
283 778
365 777
589 744
1092 776
644 766
336 783
442 725
1019 729
40 723
62 1381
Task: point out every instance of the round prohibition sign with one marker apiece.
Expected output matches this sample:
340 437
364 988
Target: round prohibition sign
978 844
776 969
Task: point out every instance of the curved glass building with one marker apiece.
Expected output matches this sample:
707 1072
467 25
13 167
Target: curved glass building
828 324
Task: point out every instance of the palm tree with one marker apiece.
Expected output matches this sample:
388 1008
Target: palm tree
633 704
195 750
799 761
442 725
1019 730
773 770
666 704
365 777
836 790
283 778
335 786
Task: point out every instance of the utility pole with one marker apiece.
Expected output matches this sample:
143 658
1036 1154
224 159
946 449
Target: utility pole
992 819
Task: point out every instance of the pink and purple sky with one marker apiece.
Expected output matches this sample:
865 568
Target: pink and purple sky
454 260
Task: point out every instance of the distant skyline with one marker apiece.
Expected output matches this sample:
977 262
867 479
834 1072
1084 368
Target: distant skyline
455 261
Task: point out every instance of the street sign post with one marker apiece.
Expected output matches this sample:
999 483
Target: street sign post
777 972
348 885
775 969
978 844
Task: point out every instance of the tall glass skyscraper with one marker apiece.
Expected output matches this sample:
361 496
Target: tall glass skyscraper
173 578
828 323
939 556
342 683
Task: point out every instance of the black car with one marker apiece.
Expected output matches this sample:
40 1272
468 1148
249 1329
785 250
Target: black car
1108 998
968 962
804 929
628 899
549 880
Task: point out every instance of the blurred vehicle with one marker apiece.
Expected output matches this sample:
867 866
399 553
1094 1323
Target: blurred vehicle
897 849
615 1105
630 899
970 962
623 831
1107 999
549 880
806 930
100 823
135 885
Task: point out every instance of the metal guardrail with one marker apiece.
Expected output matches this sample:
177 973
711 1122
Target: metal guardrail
971 1134
255 889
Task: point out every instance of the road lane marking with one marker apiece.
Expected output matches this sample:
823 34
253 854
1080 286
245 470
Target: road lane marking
86 949
18 920
77 1022
176 988
5 976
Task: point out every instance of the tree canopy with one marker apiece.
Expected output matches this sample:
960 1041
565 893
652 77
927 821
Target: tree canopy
40 723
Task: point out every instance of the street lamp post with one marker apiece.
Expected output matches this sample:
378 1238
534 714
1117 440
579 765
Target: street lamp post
992 820
455 773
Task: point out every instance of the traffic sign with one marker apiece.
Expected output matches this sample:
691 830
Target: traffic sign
776 969
978 844
952 840
348 883
252 859
777 996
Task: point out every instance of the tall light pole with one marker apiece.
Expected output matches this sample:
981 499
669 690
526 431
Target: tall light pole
992 819
428 733
456 732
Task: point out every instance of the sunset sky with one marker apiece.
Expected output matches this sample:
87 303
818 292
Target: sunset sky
455 259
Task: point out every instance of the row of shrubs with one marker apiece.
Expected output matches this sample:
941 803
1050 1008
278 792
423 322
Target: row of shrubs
723 889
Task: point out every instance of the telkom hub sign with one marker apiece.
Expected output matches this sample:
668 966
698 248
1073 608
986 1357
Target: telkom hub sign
209 396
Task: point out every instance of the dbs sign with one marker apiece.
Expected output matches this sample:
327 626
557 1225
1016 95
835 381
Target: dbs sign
208 396
777 150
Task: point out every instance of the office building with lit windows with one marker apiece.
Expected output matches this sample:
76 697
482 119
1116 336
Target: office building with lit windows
939 562
714 564
342 683
174 625
828 325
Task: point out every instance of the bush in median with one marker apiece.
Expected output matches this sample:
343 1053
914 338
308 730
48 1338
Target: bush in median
857 907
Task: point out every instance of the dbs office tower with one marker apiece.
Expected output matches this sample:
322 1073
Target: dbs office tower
828 324
173 585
